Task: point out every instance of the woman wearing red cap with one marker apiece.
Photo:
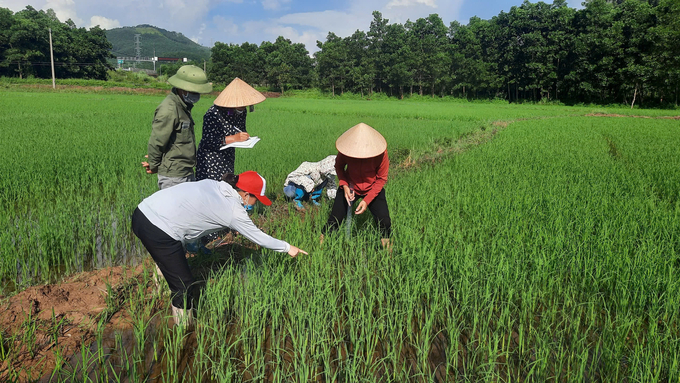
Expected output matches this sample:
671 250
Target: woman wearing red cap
170 218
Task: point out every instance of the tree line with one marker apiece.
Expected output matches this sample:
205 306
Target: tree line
25 46
610 51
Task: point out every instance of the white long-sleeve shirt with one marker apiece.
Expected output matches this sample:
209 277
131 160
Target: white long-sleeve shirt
191 210
312 174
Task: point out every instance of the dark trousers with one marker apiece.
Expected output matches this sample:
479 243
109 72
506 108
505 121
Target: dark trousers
378 208
169 255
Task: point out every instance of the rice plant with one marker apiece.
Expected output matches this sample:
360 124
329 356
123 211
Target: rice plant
549 252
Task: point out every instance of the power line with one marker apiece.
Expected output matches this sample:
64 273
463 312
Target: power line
42 63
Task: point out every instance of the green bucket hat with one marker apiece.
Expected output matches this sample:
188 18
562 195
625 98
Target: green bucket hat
192 79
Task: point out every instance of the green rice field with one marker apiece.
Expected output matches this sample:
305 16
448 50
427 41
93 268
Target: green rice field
531 243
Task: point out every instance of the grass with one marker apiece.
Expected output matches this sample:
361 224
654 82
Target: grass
544 251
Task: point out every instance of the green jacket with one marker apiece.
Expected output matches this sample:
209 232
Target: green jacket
172 145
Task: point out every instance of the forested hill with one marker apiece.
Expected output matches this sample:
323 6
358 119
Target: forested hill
165 43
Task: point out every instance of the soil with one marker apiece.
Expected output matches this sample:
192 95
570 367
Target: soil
271 94
631 116
96 89
76 303
118 89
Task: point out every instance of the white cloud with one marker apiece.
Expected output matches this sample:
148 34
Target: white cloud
308 27
308 38
15 5
197 39
185 12
321 20
274 4
341 23
226 26
207 21
103 22
64 9
408 3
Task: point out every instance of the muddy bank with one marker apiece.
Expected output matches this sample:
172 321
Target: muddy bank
43 319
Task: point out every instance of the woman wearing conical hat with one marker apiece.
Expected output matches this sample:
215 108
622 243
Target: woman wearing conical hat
362 165
224 123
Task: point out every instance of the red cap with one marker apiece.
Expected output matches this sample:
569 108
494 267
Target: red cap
254 184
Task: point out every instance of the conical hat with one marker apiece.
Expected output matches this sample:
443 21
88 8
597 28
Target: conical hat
361 141
238 94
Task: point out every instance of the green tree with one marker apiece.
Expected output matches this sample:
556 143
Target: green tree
427 39
89 54
474 58
591 61
397 55
28 42
6 23
361 72
633 22
332 62
666 53
287 65
377 52
561 40
78 53
231 60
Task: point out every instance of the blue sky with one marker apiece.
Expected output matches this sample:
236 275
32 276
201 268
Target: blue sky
255 21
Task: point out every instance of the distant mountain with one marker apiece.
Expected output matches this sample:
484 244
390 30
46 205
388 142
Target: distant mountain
165 43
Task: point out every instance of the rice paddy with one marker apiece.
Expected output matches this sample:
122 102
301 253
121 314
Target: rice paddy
532 243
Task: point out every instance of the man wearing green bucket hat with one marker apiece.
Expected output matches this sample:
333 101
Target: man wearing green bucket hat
172 145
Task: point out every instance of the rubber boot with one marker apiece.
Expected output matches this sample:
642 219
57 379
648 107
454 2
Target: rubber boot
299 195
182 317
316 195
157 277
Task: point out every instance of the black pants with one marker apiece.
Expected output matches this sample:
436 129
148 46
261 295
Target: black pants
378 208
170 257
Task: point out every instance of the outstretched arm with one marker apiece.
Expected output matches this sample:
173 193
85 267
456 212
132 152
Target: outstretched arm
242 223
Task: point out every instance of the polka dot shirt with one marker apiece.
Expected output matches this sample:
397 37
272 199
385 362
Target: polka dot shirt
218 123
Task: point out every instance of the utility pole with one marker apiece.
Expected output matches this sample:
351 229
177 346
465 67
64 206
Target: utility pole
54 85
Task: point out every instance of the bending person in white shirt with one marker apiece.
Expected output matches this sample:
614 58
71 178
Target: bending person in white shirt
169 218
309 180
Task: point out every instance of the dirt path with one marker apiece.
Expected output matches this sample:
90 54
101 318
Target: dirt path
114 89
631 116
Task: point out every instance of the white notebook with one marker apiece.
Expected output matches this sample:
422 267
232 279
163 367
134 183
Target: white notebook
247 144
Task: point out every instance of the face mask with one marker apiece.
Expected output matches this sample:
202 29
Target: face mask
246 206
191 98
